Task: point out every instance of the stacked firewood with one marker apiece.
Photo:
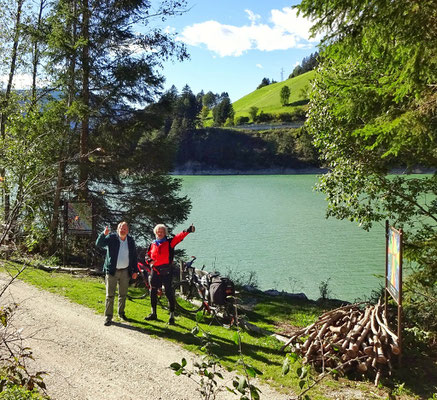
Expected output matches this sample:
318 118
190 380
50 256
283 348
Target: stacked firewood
349 338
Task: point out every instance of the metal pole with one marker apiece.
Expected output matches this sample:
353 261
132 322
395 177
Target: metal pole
400 295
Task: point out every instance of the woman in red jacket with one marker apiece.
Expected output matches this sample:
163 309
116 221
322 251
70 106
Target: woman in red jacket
160 258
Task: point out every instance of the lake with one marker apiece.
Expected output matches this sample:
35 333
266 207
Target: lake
275 225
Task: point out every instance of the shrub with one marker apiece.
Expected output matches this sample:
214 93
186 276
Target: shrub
15 392
229 121
284 117
298 114
264 117
242 120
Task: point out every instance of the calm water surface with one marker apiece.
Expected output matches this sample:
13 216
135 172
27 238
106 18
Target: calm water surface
275 225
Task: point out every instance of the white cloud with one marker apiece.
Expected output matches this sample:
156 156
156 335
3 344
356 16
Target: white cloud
252 16
259 66
285 30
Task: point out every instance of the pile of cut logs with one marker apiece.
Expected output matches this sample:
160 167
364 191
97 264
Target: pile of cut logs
349 338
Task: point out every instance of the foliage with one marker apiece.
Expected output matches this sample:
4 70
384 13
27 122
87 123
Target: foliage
285 95
308 64
253 111
264 117
372 109
17 380
222 111
241 120
325 291
91 133
15 392
227 148
207 371
264 82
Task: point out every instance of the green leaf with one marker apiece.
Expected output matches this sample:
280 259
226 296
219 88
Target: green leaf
254 392
250 371
285 367
304 372
175 366
236 338
242 384
293 357
301 384
184 362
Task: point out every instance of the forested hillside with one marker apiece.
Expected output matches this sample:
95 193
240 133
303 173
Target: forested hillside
219 149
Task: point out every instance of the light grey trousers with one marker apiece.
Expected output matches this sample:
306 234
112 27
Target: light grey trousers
122 278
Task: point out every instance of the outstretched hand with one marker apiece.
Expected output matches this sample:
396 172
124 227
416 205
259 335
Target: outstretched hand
106 231
191 229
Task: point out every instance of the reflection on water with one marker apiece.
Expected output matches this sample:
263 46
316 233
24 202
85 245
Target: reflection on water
275 225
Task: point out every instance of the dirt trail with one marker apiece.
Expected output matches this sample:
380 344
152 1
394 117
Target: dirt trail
86 360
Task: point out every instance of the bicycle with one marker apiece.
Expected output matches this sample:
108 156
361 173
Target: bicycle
193 295
141 288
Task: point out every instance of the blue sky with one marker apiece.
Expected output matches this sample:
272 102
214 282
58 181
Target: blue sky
234 44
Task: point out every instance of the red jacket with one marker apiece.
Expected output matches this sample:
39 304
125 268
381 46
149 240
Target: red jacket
160 254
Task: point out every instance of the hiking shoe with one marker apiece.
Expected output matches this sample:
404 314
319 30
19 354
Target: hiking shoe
151 317
171 321
107 322
123 317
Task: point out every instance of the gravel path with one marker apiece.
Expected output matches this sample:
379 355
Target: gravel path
86 360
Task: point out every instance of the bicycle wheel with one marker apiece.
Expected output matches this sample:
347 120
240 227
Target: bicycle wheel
162 299
226 314
187 297
139 290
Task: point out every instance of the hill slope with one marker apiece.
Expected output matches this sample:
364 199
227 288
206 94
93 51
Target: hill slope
267 98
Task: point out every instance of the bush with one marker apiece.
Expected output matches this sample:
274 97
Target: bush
241 120
15 392
284 117
298 114
229 121
264 117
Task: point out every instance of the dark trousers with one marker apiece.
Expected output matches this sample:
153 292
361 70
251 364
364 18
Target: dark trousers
156 281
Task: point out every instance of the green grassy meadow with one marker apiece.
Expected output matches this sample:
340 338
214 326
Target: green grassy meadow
267 98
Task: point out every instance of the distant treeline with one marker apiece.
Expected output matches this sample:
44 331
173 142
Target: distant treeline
308 64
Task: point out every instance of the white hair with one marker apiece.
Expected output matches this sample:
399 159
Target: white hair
155 229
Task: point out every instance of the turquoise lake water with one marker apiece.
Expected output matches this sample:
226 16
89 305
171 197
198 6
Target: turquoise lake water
275 225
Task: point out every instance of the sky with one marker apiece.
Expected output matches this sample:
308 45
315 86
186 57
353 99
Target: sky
234 44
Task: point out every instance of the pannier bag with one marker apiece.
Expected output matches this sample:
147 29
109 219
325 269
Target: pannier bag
219 288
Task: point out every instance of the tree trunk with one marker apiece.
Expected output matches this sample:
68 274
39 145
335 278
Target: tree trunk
36 53
54 223
83 175
5 104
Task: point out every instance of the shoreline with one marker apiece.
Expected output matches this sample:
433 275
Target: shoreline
197 169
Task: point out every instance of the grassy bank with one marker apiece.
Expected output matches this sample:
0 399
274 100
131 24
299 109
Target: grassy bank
272 314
